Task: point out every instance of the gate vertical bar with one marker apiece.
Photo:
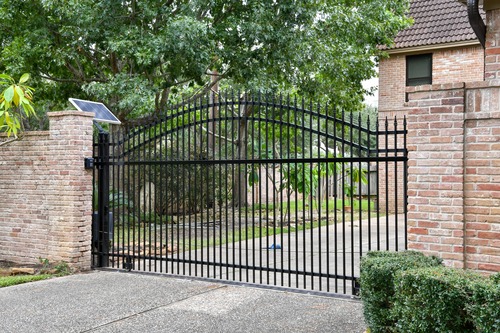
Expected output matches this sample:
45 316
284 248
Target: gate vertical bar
405 181
103 199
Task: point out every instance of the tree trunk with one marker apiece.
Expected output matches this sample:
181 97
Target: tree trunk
213 113
240 185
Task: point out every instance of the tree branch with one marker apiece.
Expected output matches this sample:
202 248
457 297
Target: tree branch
9 141
218 136
201 93
55 79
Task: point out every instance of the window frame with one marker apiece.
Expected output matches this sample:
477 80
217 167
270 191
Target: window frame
411 82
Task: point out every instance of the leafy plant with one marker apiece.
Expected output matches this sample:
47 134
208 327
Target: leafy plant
62 268
484 306
378 271
357 175
45 262
16 104
444 291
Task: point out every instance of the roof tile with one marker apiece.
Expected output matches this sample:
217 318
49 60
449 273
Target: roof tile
435 22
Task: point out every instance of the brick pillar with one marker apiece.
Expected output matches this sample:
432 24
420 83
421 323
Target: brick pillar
436 171
70 191
482 176
492 47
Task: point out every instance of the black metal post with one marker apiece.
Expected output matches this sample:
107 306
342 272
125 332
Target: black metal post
103 200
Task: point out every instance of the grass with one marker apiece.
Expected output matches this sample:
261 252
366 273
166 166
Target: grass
7 281
141 234
45 270
330 205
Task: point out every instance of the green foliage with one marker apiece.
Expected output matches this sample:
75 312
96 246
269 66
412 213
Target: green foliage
182 188
44 262
407 292
378 271
357 176
433 300
367 118
15 104
484 305
62 268
136 56
8 281
59 269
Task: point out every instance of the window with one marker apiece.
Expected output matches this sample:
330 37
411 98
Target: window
419 69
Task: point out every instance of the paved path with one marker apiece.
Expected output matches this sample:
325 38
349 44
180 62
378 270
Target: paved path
332 250
105 301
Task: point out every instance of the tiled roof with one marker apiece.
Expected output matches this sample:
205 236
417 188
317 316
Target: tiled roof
435 22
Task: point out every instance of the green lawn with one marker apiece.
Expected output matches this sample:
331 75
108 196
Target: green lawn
312 205
7 281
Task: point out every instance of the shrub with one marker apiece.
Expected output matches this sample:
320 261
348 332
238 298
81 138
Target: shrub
484 307
433 300
495 278
378 270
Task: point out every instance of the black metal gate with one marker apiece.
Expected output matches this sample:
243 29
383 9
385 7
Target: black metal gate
253 189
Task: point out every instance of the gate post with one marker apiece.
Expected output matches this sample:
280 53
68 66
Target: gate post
103 200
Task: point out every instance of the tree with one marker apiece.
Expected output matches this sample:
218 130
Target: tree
137 56
15 105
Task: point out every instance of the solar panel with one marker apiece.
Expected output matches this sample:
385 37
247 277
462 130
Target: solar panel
101 112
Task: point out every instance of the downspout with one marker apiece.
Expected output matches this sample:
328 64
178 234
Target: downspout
476 21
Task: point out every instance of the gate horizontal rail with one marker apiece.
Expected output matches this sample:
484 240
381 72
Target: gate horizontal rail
261 161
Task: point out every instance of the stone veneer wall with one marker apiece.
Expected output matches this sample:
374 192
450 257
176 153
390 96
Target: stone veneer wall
454 173
46 194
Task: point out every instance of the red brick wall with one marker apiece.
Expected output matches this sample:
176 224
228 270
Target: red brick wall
46 205
492 47
458 65
392 85
454 177
464 64
482 176
391 192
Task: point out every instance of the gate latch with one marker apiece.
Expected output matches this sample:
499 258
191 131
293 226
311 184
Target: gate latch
89 163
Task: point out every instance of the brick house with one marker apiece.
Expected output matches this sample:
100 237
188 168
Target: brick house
440 47
445 77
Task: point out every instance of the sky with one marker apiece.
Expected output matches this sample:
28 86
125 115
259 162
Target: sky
371 100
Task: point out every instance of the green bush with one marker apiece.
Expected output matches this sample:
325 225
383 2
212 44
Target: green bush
378 270
495 278
434 300
484 306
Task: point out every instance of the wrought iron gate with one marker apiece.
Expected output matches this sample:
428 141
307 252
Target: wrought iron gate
254 189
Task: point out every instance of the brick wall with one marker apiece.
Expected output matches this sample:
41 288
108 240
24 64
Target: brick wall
45 210
391 191
458 65
464 64
454 177
492 47
392 85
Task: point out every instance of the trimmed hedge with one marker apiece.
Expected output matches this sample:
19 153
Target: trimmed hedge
408 292
433 300
484 305
378 270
